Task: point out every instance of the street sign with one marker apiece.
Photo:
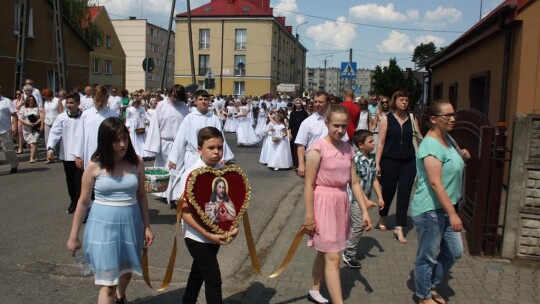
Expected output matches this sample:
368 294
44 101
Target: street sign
148 64
358 90
348 70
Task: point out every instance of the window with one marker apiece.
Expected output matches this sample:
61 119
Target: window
479 91
239 65
240 39
201 85
239 88
169 65
108 41
17 21
52 80
96 66
204 64
437 91
99 39
108 67
452 93
204 39
153 47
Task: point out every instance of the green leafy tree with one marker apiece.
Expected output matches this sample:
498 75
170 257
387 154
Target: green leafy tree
423 53
387 80
76 12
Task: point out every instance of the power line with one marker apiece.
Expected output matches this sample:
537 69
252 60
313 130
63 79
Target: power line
372 25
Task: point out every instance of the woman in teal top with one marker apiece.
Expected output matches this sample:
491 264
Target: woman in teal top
440 174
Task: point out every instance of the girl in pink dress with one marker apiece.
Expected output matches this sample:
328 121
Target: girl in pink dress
329 169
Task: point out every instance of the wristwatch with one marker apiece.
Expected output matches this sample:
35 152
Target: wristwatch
50 149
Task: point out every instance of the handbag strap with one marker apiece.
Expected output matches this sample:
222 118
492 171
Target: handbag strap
413 124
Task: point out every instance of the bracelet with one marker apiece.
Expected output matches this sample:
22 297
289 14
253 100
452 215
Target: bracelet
310 224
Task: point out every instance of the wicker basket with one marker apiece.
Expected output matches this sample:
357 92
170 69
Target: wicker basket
156 179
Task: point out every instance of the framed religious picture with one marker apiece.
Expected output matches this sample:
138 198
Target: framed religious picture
218 198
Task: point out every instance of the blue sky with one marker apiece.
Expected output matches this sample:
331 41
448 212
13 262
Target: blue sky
375 30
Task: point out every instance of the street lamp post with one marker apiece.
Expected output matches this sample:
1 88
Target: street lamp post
296 33
325 61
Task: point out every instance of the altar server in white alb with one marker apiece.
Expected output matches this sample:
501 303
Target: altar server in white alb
184 152
63 130
164 125
85 141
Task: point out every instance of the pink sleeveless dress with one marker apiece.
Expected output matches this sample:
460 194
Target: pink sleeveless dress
330 205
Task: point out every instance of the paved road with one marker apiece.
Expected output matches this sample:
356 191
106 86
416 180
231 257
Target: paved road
35 266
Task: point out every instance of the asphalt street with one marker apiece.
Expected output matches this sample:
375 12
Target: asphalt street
35 266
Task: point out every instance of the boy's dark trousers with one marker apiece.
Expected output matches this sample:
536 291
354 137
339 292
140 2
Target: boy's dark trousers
73 180
205 268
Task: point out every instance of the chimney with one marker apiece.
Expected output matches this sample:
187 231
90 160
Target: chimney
132 17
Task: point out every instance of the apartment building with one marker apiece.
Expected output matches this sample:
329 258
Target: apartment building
141 39
107 61
242 46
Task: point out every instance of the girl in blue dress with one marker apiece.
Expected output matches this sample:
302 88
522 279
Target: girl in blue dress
118 225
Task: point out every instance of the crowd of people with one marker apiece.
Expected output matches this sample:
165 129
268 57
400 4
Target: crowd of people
351 152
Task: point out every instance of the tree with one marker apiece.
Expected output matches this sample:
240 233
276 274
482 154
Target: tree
77 13
423 53
387 80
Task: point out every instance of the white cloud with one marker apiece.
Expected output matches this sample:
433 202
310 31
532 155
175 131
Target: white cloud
396 43
156 11
440 17
438 41
412 14
374 12
332 34
285 7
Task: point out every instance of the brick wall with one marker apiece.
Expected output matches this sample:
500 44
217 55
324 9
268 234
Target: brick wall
522 224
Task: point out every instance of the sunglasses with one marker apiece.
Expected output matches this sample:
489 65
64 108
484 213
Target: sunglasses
447 115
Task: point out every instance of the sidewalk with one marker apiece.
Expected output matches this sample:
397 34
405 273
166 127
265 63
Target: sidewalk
25 156
386 275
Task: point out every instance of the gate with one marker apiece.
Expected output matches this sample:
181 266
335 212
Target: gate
484 179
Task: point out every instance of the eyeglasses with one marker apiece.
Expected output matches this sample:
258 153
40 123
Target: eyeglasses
384 101
447 115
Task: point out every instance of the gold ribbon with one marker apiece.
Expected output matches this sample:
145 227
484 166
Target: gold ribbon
254 257
172 258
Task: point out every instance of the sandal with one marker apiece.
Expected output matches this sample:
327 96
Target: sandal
382 227
19 151
122 300
437 297
398 235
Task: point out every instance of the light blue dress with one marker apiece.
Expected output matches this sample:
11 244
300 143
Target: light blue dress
114 235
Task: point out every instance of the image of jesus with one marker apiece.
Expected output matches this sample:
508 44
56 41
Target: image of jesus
220 208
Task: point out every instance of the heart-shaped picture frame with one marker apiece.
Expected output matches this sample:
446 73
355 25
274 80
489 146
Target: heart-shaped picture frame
218 198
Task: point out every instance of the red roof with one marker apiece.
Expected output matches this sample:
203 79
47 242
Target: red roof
93 11
232 8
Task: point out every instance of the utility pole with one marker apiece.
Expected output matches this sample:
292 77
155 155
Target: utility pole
20 60
59 45
350 62
168 45
324 79
190 35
